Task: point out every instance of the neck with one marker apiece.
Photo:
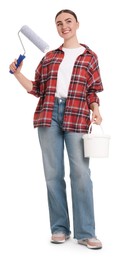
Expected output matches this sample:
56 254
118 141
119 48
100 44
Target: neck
71 43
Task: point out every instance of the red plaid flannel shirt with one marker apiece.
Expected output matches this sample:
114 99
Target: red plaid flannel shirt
84 85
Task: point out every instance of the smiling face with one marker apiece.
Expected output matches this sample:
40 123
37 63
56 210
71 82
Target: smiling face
66 25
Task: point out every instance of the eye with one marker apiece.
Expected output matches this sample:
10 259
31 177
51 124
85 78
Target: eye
69 21
59 24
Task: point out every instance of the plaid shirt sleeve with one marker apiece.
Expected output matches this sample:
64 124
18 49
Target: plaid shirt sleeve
36 83
94 82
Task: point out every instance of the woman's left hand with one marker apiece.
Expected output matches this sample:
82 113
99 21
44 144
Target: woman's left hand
96 117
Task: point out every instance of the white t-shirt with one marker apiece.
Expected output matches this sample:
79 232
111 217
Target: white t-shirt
65 70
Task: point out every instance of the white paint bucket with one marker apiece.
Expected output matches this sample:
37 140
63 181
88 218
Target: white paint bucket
96 145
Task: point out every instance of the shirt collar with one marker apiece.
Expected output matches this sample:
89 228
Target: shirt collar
84 45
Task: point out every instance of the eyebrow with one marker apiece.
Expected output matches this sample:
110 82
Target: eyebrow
65 20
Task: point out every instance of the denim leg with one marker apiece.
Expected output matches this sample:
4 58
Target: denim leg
81 187
52 146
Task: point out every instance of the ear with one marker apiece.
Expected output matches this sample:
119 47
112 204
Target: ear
77 25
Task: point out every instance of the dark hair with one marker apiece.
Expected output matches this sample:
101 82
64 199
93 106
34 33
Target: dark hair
67 11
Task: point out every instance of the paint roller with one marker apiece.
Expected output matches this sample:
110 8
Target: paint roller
34 38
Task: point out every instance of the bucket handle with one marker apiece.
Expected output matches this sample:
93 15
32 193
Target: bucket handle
90 128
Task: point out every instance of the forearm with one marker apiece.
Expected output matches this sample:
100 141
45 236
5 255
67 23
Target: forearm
94 106
26 83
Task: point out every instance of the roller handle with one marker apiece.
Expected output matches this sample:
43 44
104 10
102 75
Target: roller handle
19 60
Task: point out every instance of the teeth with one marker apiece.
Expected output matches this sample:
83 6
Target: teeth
65 31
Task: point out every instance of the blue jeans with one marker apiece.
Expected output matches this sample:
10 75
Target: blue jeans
52 141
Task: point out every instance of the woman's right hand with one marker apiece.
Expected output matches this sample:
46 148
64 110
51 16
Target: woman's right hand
13 67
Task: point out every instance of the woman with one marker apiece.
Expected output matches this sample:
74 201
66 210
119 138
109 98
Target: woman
66 81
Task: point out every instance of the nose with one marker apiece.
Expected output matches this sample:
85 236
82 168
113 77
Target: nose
64 25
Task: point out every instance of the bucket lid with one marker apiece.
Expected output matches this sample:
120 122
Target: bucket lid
88 136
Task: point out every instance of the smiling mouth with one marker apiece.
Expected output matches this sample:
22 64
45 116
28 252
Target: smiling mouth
66 31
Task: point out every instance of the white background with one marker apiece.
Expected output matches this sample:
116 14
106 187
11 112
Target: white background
24 220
